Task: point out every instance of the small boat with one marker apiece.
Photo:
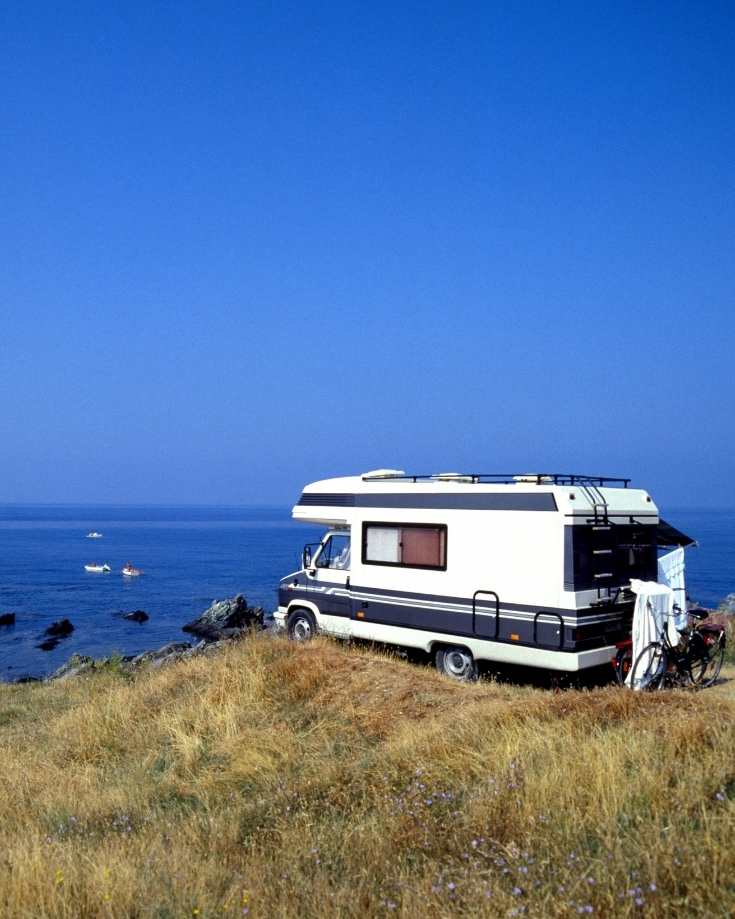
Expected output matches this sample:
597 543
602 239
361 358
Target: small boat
94 535
99 568
130 572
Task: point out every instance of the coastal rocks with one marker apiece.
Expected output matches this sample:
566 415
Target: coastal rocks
206 648
721 614
226 619
174 651
59 629
54 633
727 605
166 654
223 621
7 619
76 665
48 644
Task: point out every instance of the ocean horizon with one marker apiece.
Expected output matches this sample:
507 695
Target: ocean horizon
191 555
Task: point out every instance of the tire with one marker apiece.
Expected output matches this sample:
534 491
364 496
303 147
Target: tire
650 669
457 663
301 625
623 664
706 659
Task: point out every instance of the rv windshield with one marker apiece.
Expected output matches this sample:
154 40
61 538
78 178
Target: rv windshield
335 552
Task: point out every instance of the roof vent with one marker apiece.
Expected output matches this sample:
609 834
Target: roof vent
533 478
383 474
452 477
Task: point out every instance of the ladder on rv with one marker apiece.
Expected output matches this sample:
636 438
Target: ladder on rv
602 543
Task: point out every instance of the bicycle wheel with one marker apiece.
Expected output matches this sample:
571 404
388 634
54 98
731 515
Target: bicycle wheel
650 668
707 652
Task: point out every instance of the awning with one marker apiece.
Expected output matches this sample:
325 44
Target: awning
666 535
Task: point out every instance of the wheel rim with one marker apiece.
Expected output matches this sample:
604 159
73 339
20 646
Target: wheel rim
707 661
650 669
301 629
458 664
714 664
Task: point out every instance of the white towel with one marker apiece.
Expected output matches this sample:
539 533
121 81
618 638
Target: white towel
653 608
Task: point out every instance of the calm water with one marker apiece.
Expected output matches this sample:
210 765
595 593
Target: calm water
191 556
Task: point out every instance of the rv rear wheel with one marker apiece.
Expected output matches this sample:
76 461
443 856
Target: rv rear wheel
457 663
301 625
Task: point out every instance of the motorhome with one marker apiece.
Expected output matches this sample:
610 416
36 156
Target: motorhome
529 569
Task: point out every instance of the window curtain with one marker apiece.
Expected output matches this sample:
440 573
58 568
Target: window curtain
383 544
422 546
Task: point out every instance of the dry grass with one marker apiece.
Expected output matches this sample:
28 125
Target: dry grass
279 780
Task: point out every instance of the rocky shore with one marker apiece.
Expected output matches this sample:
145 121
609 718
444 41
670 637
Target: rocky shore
727 606
222 622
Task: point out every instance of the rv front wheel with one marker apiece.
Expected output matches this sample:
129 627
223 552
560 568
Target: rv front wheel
457 663
301 625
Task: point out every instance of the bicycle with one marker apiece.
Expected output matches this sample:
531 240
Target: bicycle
694 662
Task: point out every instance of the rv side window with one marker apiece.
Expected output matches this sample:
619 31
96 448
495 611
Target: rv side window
409 545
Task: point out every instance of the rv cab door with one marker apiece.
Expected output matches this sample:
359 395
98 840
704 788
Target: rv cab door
331 576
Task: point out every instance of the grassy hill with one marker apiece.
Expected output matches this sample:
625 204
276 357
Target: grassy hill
280 780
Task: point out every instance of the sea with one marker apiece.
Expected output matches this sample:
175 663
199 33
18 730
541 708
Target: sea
189 557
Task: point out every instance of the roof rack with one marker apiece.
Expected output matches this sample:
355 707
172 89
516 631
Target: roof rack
506 478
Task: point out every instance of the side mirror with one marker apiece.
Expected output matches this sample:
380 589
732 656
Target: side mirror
306 557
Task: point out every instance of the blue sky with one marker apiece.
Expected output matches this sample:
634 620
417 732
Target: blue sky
245 246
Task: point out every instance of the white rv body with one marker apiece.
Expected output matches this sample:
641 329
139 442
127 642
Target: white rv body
519 569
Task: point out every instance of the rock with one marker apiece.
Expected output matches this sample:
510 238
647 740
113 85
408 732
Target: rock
170 652
7 619
137 615
727 605
54 633
205 648
77 664
211 647
226 619
49 644
27 678
60 629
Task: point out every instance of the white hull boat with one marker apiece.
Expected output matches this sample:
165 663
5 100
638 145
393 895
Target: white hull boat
130 572
98 568
94 535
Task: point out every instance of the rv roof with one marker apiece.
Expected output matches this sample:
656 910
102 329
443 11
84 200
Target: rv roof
334 500
500 478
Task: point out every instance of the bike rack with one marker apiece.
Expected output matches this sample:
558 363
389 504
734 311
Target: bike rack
556 616
490 593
